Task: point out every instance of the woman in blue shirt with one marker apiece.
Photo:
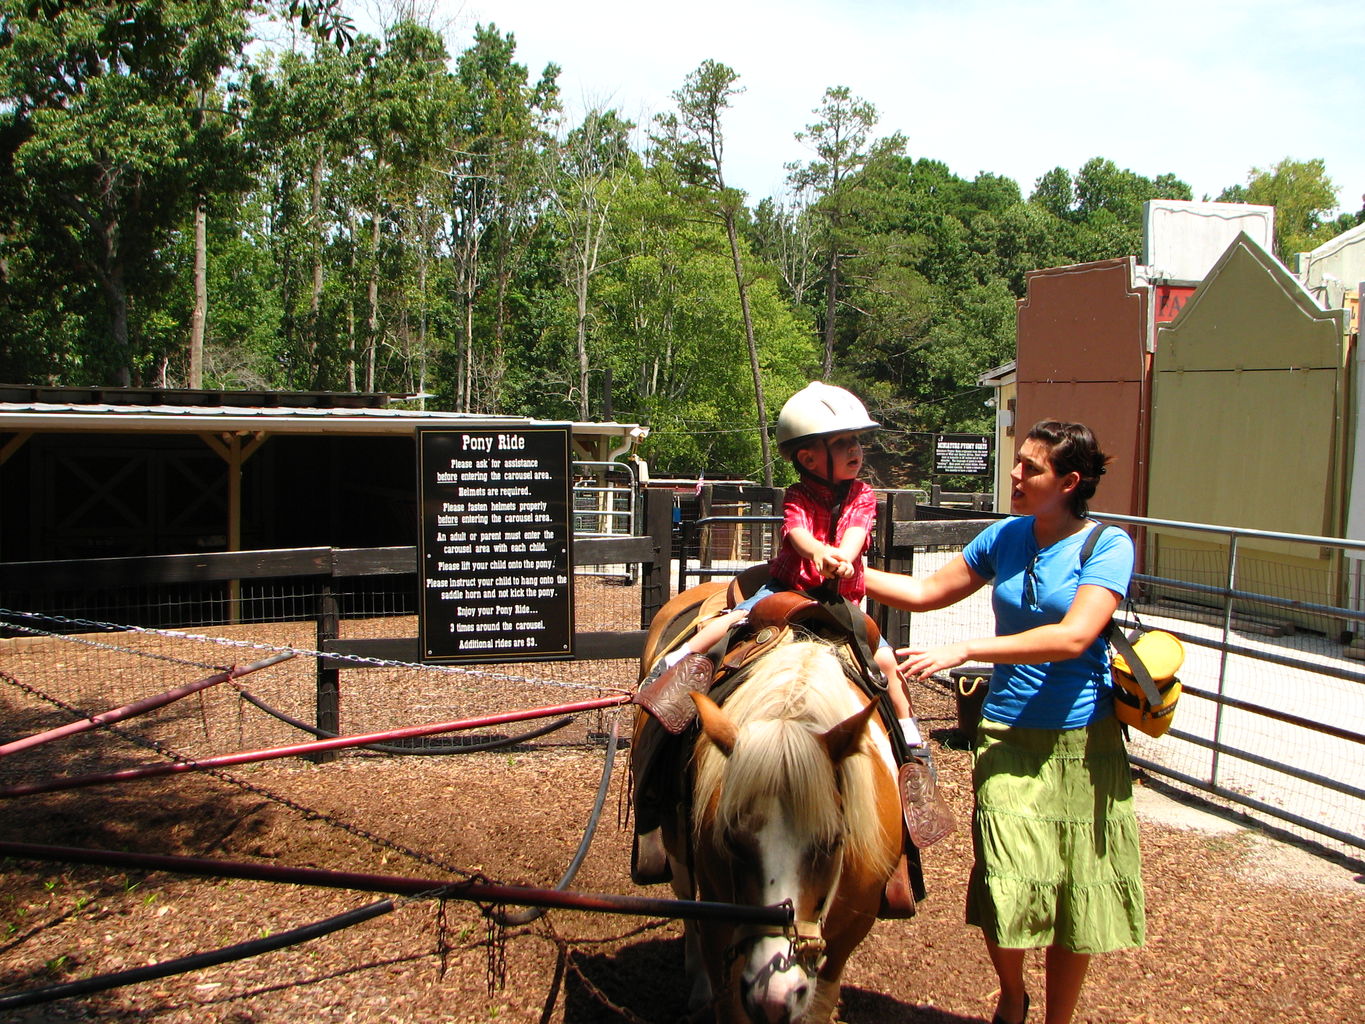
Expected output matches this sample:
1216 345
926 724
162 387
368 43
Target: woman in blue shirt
1054 834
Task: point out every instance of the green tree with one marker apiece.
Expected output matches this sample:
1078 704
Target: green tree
1109 204
1097 214
494 171
785 235
303 131
591 170
842 141
1302 195
1054 193
103 104
410 103
692 141
668 317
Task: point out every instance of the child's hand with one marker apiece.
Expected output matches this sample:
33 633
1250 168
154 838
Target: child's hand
832 563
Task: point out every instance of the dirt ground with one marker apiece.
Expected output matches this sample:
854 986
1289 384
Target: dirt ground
1241 927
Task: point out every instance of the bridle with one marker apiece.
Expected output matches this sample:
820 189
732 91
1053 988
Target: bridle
805 936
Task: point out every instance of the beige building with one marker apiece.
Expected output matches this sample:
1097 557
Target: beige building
1334 271
1251 423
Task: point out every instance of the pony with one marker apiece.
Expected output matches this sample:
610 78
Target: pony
792 800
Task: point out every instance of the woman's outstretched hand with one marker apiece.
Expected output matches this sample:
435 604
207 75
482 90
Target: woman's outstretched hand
921 663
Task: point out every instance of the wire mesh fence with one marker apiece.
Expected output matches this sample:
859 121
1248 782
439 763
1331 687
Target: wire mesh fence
54 671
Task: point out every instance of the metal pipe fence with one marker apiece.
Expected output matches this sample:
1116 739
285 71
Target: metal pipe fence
1272 720
1274 684
1272 724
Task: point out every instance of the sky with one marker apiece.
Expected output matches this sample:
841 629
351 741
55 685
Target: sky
1206 89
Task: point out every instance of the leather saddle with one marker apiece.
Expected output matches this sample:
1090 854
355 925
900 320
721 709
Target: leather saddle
663 728
668 698
661 745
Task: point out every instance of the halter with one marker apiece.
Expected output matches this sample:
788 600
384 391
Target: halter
805 937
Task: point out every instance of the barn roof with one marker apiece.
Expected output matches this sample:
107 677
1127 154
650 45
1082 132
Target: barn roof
66 410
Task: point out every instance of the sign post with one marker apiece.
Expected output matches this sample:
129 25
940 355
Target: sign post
495 563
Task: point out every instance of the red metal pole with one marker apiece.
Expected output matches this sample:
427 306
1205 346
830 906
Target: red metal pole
297 749
488 892
138 707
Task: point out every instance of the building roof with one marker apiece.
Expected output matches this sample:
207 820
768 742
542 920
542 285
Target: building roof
68 410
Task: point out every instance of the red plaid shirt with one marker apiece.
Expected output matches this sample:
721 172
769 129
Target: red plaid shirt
809 504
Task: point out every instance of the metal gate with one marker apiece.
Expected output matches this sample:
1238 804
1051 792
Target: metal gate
604 505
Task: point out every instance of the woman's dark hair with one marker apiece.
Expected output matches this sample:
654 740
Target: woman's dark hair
1072 448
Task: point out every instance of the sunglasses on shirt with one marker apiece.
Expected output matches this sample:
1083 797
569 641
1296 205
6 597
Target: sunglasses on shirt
1031 581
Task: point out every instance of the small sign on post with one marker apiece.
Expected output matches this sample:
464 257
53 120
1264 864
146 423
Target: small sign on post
495 565
962 455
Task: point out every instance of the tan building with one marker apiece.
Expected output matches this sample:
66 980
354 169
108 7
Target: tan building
1251 423
1221 385
1334 271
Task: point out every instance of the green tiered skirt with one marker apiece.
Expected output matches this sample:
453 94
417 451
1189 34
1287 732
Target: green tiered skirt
1056 839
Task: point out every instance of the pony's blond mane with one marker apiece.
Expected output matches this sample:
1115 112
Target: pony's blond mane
792 696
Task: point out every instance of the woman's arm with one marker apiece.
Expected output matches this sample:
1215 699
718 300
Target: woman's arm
1085 620
948 585
851 544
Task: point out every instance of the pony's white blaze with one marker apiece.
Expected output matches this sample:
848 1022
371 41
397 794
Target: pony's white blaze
776 988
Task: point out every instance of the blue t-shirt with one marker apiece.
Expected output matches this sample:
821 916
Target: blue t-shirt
1057 694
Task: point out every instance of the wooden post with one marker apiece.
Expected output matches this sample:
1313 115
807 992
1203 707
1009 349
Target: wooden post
328 679
654 578
899 507
772 498
704 533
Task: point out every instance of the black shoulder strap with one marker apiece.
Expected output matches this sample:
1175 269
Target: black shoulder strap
1093 538
1116 637
1087 549
1135 666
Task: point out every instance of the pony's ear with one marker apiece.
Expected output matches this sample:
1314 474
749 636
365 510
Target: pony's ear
720 729
842 739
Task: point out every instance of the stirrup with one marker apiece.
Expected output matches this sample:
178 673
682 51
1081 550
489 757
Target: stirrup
648 858
898 897
668 698
927 817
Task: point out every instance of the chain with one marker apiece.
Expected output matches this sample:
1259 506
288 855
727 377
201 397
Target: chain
496 932
34 631
566 953
443 946
307 813
358 660
497 948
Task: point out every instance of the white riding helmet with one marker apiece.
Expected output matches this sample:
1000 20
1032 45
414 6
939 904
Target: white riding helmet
817 410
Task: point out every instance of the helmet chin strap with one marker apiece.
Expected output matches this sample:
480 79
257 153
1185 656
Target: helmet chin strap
828 478
840 490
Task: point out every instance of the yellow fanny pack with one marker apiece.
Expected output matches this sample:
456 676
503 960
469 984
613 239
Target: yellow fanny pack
1143 669
1145 685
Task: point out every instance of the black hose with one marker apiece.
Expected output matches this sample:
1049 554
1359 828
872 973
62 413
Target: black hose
389 748
240 951
509 918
